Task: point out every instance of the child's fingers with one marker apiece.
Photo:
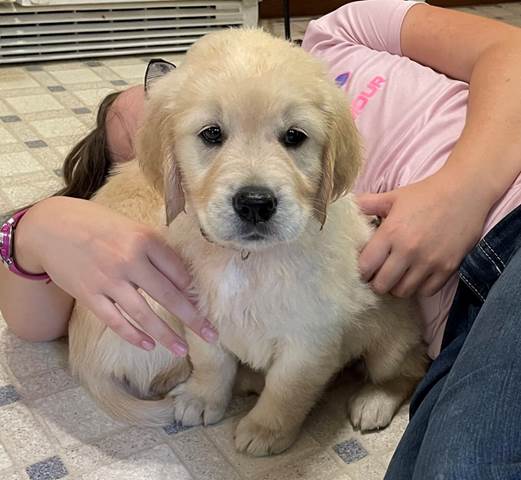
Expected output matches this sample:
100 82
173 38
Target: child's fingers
165 259
163 291
108 313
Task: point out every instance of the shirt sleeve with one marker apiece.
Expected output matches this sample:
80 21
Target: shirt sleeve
375 24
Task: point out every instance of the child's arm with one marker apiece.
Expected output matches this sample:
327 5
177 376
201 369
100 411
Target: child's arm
98 257
431 225
34 310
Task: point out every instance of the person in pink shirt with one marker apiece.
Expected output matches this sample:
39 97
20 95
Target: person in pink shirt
436 95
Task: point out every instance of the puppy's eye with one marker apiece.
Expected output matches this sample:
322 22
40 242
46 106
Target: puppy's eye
294 138
212 135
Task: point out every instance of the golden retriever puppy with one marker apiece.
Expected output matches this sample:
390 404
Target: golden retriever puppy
253 149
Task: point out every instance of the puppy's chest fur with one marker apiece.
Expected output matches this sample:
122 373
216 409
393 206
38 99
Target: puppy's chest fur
304 292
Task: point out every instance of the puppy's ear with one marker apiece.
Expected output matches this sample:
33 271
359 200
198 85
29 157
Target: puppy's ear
155 145
341 159
174 194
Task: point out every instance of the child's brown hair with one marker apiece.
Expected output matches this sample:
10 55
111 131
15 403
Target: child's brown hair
88 164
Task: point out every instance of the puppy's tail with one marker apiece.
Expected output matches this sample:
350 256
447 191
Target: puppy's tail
122 405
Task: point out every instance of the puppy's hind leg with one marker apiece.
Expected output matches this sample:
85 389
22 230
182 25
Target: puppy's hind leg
392 377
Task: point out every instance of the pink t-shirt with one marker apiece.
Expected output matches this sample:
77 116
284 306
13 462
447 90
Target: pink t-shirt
409 115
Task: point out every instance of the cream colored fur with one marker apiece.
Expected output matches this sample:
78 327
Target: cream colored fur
291 305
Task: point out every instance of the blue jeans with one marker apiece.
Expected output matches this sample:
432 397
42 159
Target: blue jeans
466 413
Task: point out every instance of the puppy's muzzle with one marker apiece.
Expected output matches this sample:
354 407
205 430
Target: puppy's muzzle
255 205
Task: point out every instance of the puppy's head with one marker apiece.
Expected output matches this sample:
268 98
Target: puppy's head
252 135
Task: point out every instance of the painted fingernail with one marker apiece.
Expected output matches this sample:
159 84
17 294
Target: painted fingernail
147 345
179 349
209 333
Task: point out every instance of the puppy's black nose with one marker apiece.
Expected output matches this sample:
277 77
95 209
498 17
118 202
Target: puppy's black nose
255 204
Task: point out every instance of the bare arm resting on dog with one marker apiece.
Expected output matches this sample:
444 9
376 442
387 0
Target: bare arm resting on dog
97 257
430 226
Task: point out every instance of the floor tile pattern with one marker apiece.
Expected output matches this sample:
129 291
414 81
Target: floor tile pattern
49 426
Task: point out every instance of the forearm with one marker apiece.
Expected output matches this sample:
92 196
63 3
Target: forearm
487 55
488 154
34 310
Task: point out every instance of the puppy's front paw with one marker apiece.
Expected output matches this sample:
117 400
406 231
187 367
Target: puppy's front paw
373 407
260 440
196 404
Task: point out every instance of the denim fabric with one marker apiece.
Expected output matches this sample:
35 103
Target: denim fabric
466 413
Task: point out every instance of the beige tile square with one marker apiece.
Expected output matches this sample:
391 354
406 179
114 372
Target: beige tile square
13 475
34 103
77 75
124 61
22 435
15 78
48 383
49 159
66 142
87 457
159 463
12 148
59 127
20 195
5 206
5 376
43 78
25 180
131 72
318 464
63 113
6 137
32 358
20 92
8 341
68 99
24 133
5 461
73 417
4 108
93 97
369 468
343 476
385 458
89 119
20 162
105 73
63 150
64 65
201 456
248 466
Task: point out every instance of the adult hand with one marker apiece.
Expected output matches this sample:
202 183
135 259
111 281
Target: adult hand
427 229
101 258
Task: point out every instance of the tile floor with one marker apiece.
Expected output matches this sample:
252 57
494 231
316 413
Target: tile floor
49 427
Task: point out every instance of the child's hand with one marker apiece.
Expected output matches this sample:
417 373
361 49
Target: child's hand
427 229
101 258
